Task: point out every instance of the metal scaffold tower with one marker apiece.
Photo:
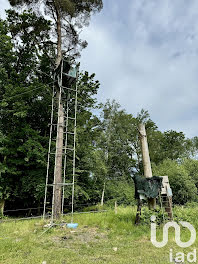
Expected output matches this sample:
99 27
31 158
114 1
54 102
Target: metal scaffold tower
61 160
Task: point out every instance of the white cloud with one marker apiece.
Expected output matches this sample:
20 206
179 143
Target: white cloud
149 60
145 54
3 5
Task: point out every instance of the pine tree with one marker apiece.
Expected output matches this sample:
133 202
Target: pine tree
68 16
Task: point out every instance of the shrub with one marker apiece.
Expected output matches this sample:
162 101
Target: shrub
183 186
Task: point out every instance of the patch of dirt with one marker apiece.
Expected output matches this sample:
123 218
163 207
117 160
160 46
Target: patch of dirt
144 239
81 235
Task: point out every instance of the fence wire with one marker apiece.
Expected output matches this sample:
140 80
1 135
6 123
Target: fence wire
48 216
41 207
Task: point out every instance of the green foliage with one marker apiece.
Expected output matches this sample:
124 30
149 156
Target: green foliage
101 237
23 144
121 192
68 7
68 16
24 123
183 186
116 130
158 213
168 145
191 167
107 148
186 213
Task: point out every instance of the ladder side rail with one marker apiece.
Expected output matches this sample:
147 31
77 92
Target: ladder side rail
74 153
171 207
65 158
49 150
161 205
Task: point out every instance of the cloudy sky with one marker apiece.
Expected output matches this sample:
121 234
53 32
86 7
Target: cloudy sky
145 54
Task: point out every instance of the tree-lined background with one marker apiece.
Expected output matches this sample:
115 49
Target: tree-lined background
108 149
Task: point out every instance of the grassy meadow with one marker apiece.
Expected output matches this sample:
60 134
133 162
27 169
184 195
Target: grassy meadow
100 238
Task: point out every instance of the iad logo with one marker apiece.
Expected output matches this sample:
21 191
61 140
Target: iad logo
177 233
179 255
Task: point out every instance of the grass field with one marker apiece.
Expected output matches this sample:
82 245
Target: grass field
100 238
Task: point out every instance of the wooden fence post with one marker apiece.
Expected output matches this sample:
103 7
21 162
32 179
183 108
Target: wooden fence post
116 207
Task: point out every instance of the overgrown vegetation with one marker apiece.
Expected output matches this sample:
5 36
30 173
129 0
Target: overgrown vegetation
101 238
108 151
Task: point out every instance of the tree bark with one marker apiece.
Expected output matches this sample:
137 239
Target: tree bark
2 205
146 160
59 39
103 192
58 164
60 129
145 152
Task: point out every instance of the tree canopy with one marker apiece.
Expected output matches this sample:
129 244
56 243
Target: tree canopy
108 149
68 17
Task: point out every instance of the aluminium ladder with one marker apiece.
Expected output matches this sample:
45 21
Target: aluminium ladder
166 206
66 81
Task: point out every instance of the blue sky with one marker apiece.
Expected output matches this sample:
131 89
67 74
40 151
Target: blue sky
145 54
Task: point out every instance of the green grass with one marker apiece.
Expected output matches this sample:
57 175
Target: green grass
100 238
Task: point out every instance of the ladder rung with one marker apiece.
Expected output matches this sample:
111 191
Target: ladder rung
68 99
61 184
61 132
67 132
64 95
69 149
57 125
62 126
63 153
70 89
54 153
71 77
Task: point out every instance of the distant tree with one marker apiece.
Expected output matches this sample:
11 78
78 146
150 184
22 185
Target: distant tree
22 93
68 17
114 151
173 144
165 145
25 98
191 167
168 145
193 147
121 191
181 182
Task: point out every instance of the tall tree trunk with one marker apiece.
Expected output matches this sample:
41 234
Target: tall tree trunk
2 205
145 152
60 129
59 39
103 192
146 160
58 164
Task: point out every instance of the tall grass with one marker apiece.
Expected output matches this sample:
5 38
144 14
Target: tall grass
101 237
